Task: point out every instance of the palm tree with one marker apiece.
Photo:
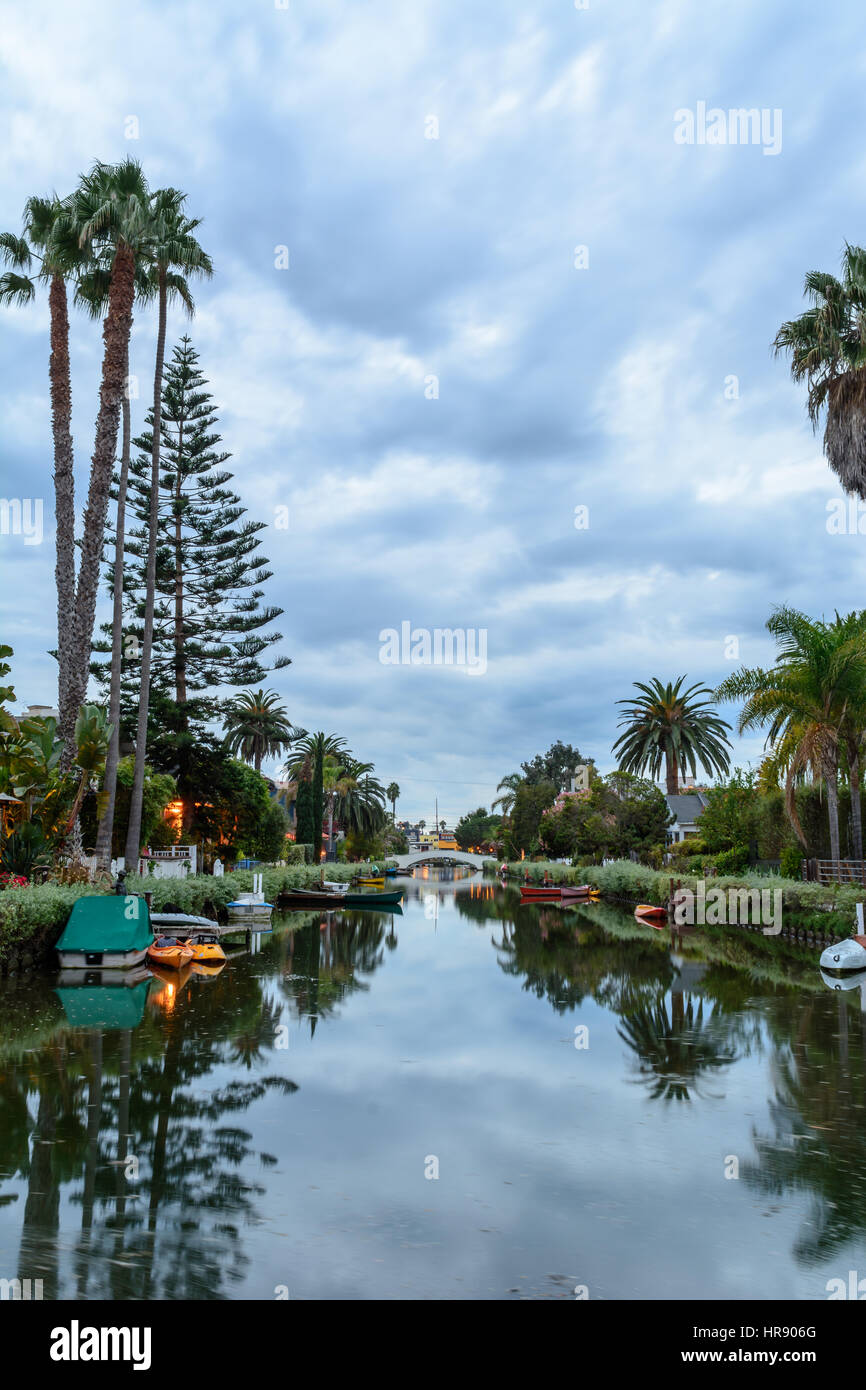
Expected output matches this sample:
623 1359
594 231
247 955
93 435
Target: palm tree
50 240
827 347
111 212
257 727
805 699
362 806
669 726
392 793
310 750
171 248
508 786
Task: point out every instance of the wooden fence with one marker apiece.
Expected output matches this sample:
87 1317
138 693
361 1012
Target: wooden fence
835 870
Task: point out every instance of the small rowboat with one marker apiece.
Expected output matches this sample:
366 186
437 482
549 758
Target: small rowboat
650 910
389 899
371 882
552 890
167 950
305 897
583 890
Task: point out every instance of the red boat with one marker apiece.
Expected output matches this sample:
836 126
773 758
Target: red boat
552 890
650 910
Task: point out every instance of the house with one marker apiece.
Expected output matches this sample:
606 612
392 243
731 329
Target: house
686 810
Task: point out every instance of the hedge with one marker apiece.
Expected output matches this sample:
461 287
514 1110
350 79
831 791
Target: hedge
828 908
32 918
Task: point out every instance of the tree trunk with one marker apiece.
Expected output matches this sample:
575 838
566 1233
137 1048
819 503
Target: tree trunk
115 334
830 780
133 835
106 825
856 810
672 775
60 385
179 648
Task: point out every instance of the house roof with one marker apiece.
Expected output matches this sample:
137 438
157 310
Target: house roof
686 809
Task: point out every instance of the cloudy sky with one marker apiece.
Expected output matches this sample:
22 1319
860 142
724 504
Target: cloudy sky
442 375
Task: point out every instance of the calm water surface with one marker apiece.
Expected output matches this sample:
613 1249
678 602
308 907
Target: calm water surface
272 1127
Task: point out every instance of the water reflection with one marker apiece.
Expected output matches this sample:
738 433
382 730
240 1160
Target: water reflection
150 1130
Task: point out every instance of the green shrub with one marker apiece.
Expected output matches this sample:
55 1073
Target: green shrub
731 861
790 861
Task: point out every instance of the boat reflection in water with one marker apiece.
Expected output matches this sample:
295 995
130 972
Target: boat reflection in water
276 1111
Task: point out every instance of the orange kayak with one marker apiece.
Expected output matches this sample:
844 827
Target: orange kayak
166 950
206 949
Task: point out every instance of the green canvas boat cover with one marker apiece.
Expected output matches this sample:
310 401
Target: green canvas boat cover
109 923
104 1006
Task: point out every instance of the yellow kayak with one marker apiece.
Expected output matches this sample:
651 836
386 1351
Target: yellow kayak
206 949
372 882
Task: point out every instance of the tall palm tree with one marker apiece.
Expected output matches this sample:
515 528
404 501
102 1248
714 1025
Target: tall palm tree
257 726
805 699
392 793
51 241
669 726
111 212
172 253
827 347
92 294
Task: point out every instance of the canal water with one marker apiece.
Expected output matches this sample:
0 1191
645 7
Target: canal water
471 1100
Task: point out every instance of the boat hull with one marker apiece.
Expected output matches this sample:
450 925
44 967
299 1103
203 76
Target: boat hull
170 957
373 899
845 955
100 960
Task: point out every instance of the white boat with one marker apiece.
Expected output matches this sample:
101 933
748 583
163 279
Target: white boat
105 932
849 954
248 908
251 907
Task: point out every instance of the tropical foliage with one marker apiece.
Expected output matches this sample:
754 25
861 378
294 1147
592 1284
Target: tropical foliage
667 726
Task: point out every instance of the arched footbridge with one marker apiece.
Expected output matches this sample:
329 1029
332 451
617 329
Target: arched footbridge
438 856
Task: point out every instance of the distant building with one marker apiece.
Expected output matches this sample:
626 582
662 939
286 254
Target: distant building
686 809
40 712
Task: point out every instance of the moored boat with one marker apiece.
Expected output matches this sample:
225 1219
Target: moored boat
548 890
650 911
105 932
168 951
206 949
849 954
371 882
247 907
373 899
306 897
